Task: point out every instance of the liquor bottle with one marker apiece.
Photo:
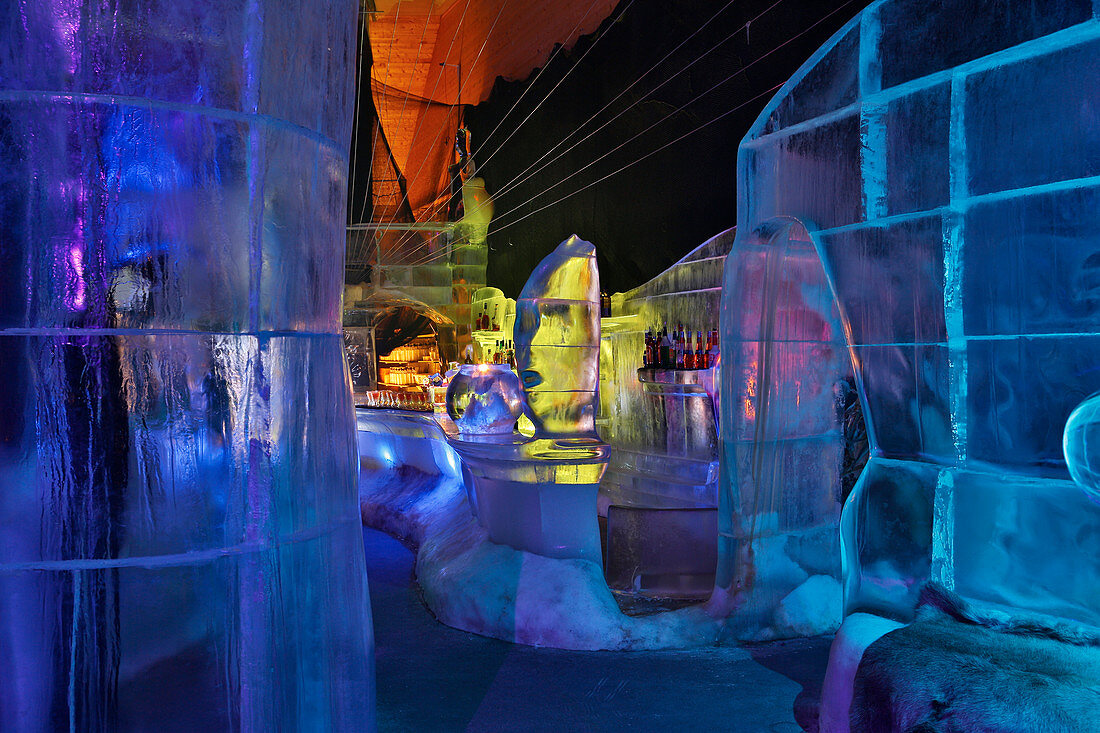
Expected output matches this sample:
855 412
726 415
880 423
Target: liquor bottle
700 351
679 348
647 353
689 355
713 351
666 351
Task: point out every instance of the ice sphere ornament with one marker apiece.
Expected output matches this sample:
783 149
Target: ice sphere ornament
538 493
1081 444
485 399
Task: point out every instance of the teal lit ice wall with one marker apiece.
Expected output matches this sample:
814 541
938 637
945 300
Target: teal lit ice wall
945 162
179 537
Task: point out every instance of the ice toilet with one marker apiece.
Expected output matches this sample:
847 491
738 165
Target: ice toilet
538 493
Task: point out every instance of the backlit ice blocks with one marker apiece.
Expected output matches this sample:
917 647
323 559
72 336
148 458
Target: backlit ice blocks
784 363
946 164
180 543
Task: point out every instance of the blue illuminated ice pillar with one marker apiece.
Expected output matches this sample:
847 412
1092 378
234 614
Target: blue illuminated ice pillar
179 536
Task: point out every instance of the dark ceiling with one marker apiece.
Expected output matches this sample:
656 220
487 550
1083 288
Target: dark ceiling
650 213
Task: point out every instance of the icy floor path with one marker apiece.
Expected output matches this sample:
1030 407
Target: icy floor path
434 678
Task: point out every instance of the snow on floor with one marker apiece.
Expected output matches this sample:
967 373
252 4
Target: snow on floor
410 485
476 585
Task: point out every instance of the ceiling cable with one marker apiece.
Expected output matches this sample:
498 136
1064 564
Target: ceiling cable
361 27
681 108
557 49
647 155
547 96
435 88
459 93
404 102
523 175
564 77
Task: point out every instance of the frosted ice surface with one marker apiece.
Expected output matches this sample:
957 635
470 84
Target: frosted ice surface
179 534
946 164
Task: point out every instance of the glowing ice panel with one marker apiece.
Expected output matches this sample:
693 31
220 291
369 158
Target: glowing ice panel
1033 264
915 42
1013 143
889 279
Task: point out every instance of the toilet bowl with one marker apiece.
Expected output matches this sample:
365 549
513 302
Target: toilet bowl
536 495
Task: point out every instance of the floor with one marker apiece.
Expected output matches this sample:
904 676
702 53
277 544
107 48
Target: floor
434 678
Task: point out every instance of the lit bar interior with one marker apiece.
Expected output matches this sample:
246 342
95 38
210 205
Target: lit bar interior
598 365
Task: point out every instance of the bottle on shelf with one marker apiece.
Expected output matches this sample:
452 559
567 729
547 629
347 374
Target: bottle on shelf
700 351
713 350
665 351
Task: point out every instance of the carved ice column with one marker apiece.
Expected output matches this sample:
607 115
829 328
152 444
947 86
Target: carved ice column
179 533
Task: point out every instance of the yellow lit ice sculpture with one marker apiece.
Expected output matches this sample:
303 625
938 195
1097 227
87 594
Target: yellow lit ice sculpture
538 493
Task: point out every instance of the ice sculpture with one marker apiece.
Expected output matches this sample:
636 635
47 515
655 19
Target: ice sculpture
557 336
179 534
784 364
539 493
485 399
478 208
1081 444
944 165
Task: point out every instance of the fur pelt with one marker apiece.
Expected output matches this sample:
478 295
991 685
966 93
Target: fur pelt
958 668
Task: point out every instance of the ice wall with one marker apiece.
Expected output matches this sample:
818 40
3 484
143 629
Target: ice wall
687 293
660 492
946 163
785 372
179 536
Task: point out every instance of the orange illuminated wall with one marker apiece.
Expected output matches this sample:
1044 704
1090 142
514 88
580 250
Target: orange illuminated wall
488 38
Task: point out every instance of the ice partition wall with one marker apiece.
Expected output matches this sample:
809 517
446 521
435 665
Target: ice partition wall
179 534
946 165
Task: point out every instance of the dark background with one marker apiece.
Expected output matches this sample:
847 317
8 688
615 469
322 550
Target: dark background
648 216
